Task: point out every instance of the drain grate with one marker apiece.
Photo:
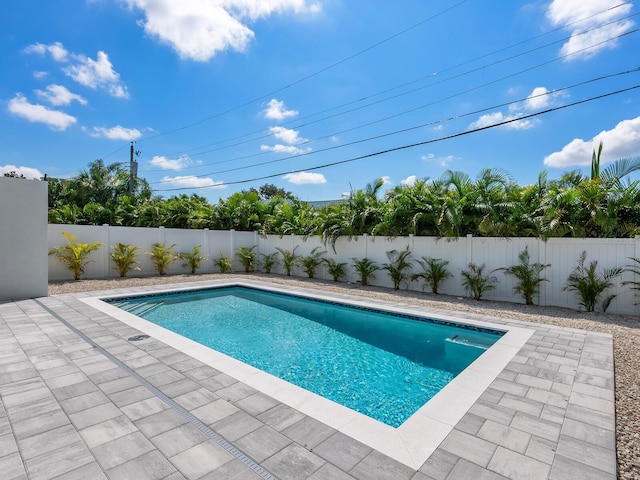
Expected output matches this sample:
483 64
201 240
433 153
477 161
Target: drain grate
137 338
256 468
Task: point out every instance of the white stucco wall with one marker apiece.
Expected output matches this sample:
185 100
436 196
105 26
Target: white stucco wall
23 239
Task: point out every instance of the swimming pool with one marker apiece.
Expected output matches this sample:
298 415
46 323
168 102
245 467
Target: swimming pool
412 442
383 365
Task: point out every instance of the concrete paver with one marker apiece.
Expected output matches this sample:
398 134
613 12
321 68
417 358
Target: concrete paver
69 412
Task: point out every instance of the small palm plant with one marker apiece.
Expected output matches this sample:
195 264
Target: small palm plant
634 269
434 272
162 256
192 260
590 285
398 266
335 269
268 261
223 263
528 275
365 269
125 258
247 257
477 282
288 259
310 263
73 254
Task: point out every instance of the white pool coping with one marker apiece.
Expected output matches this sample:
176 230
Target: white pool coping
415 440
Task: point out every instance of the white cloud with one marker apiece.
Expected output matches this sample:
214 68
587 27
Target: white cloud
28 172
96 73
290 137
116 133
55 119
540 97
39 74
302 178
386 180
191 181
409 181
442 161
59 95
621 141
199 29
179 163
495 118
287 135
578 16
277 111
290 149
56 50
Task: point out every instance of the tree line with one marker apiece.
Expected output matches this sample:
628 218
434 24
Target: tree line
605 204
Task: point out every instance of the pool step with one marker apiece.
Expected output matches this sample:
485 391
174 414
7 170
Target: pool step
470 341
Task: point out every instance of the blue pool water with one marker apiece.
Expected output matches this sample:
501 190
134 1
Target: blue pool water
383 365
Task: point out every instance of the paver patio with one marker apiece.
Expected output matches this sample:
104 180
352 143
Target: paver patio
68 410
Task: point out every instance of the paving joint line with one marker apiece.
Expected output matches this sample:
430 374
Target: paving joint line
237 453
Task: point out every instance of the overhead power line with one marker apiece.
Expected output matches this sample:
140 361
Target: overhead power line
431 123
412 145
405 112
482 67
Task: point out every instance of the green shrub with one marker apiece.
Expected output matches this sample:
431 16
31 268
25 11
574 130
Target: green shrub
268 261
310 263
398 266
288 259
125 258
528 275
590 285
247 257
223 263
192 260
434 272
335 269
73 254
162 256
365 269
476 282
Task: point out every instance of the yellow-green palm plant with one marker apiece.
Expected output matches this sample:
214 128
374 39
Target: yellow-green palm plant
125 258
193 260
74 254
162 256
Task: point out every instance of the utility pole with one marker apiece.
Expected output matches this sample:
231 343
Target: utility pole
133 169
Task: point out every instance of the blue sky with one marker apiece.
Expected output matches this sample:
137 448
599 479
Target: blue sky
225 95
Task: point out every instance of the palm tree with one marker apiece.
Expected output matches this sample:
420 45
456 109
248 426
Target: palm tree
398 266
528 275
365 269
434 272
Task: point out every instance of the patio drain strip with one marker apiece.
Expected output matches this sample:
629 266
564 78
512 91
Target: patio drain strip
255 467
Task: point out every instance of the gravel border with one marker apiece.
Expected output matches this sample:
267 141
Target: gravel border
625 330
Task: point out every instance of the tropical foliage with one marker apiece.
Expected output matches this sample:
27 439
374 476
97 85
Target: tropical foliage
162 257
604 204
634 268
74 254
247 257
288 259
223 263
589 284
125 258
398 266
335 268
268 261
477 282
527 275
192 260
434 272
366 269
309 263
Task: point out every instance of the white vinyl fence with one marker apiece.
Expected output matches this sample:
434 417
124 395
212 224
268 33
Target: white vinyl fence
561 253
